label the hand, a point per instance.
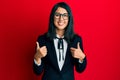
(77, 52)
(40, 52)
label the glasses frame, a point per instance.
(59, 15)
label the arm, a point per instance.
(80, 67)
(41, 52)
(80, 60)
(38, 68)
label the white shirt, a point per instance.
(61, 62)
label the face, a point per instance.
(61, 18)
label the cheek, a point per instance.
(66, 23)
(55, 22)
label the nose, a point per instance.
(61, 17)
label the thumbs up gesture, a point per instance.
(77, 52)
(40, 52)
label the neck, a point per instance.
(60, 32)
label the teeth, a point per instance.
(60, 23)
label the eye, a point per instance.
(57, 14)
(65, 15)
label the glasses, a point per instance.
(64, 16)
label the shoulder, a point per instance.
(77, 38)
(42, 36)
(42, 39)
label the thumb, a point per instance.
(37, 45)
(78, 45)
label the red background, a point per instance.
(97, 21)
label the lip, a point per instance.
(60, 24)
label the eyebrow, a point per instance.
(61, 13)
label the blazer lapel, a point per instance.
(67, 60)
(53, 56)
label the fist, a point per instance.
(40, 52)
(77, 52)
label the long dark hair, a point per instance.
(69, 31)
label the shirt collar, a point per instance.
(59, 36)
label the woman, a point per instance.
(60, 49)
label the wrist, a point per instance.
(82, 58)
(38, 60)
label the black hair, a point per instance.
(69, 31)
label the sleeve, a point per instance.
(37, 63)
(79, 61)
(80, 66)
(37, 69)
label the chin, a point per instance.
(61, 28)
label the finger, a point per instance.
(44, 47)
(78, 45)
(72, 48)
(72, 51)
(45, 51)
(37, 45)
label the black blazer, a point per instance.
(49, 63)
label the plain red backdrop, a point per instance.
(97, 21)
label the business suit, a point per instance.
(49, 63)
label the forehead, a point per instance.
(61, 10)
